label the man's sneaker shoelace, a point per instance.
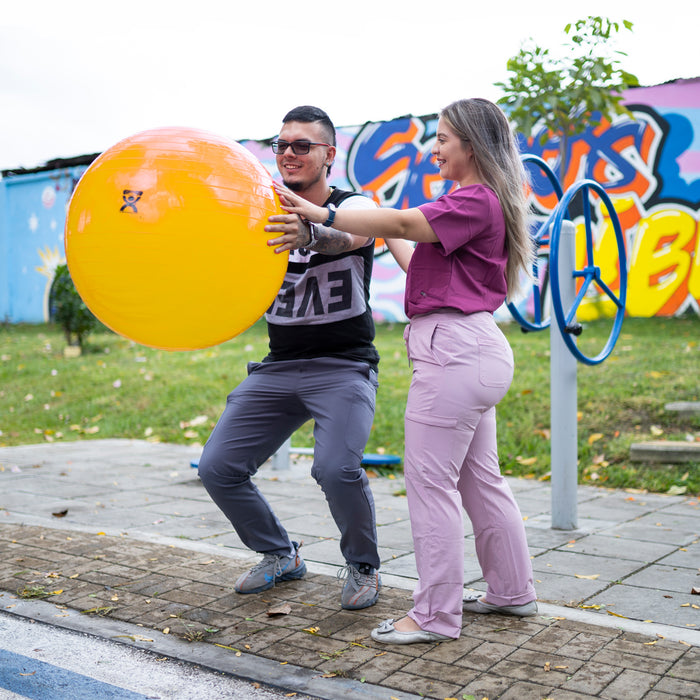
(270, 560)
(361, 589)
(274, 567)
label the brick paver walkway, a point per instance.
(187, 594)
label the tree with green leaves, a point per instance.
(566, 95)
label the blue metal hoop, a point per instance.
(590, 273)
(540, 239)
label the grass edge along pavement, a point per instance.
(121, 389)
(173, 602)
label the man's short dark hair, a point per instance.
(307, 113)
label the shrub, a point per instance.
(68, 309)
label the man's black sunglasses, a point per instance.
(299, 148)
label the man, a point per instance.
(322, 364)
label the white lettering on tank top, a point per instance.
(333, 291)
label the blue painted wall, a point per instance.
(32, 217)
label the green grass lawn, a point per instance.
(121, 389)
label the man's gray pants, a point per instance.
(273, 401)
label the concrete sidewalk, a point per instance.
(124, 539)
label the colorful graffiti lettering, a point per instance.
(620, 156)
(391, 161)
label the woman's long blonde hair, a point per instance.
(497, 157)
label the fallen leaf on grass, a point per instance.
(281, 609)
(197, 420)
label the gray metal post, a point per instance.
(280, 460)
(564, 399)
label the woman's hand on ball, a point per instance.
(294, 204)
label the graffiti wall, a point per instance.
(649, 166)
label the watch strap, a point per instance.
(331, 215)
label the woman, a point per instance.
(472, 246)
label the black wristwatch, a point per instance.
(331, 215)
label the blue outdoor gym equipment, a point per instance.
(555, 240)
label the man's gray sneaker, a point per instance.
(273, 568)
(361, 589)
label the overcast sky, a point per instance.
(76, 76)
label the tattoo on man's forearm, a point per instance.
(332, 242)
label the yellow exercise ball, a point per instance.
(165, 239)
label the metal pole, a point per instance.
(280, 460)
(564, 400)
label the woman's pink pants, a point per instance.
(462, 367)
